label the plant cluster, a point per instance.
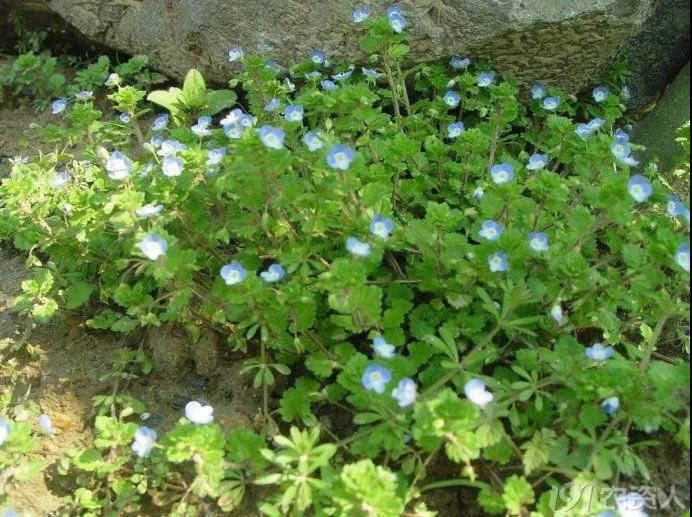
(482, 285)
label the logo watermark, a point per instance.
(635, 499)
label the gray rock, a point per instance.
(657, 129)
(561, 42)
(658, 50)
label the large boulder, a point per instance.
(565, 43)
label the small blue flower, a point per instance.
(478, 193)
(361, 14)
(274, 273)
(599, 353)
(405, 392)
(485, 79)
(600, 94)
(199, 414)
(61, 178)
(357, 248)
(452, 99)
(632, 504)
(625, 93)
(340, 157)
(621, 137)
(149, 210)
(498, 262)
(59, 106)
(124, 118)
(214, 156)
(170, 148)
(491, 230)
(639, 188)
(317, 57)
(382, 349)
(455, 129)
(313, 140)
(202, 128)
(289, 85)
(610, 405)
(623, 154)
(153, 246)
(84, 95)
(502, 173)
(272, 65)
(144, 441)
(233, 118)
(538, 241)
(45, 424)
(233, 131)
(160, 123)
(4, 430)
(375, 378)
(315, 74)
(294, 113)
(328, 85)
(397, 22)
(538, 91)
(113, 80)
(346, 74)
(272, 105)
(583, 131)
(393, 10)
(675, 207)
(557, 314)
(596, 124)
(370, 73)
(118, 166)
(537, 162)
(475, 390)
(235, 54)
(271, 137)
(682, 256)
(172, 166)
(381, 226)
(459, 63)
(551, 103)
(233, 273)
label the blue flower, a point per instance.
(610, 405)
(346, 74)
(84, 95)
(583, 131)
(4, 430)
(600, 94)
(233, 273)
(272, 65)
(289, 85)
(599, 353)
(170, 148)
(340, 157)
(124, 118)
(537, 162)
(538, 91)
(382, 349)
(272, 105)
(370, 73)
(491, 230)
(393, 10)
(160, 123)
(274, 273)
(61, 178)
(459, 63)
(551, 103)
(405, 392)
(621, 137)
(538, 241)
(113, 80)
(59, 106)
(313, 140)
(455, 129)
(214, 156)
(271, 137)
(317, 57)
(118, 166)
(237, 117)
(361, 14)
(315, 74)
(199, 414)
(498, 262)
(397, 22)
(485, 79)
(381, 226)
(144, 441)
(557, 314)
(149, 210)
(675, 207)
(45, 424)
(623, 154)
(375, 378)
(639, 188)
(596, 124)
(502, 173)
(328, 85)
(202, 127)
(172, 166)
(357, 248)
(155, 141)
(235, 54)
(478, 193)
(153, 246)
(682, 256)
(452, 99)
(626, 93)
(632, 504)
(294, 113)
(477, 393)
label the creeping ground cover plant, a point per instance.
(459, 288)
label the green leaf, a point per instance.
(517, 494)
(78, 294)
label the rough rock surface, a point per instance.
(561, 42)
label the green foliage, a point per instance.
(427, 289)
